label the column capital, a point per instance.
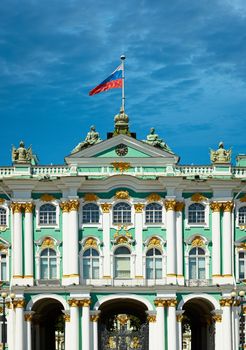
(215, 207)
(19, 303)
(73, 303)
(160, 302)
(228, 206)
(151, 318)
(84, 302)
(179, 317)
(94, 318)
(170, 204)
(28, 207)
(106, 207)
(65, 206)
(217, 318)
(66, 317)
(226, 302)
(138, 207)
(171, 302)
(74, 205)
(29, 316)
(179, 206)
(16, 207)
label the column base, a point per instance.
(70, 279)
(28, 281)
(18, 281)
(171, 279)
(226, 279)
(180, 280)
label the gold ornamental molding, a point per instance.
(122, 195)
(28, 207)
(165, 302)
(65, 207)
(151, 318)
(3, 248)
(198, 242)
(94, 318)
(179, 206)
(28, 317)
(16, 207)
(19, 303)
(170, 204)
(48, 242)
(106, 207)
(138, 207)
(226, 302)
(66, 317)
(90, 243)
(73, 303)
(153, 197)
(90, 197)
(121, 240)
(180, 318)
(122, 319)
(217, 318)
(244, 310)
(243, 199)
(198, 197)
(121, 166)
(73, 205)
(242, 246)
(228, 206)
(47, 197)
(154, 242)
(84, 302)
(2, 200)
(215, 206)
(171, 303)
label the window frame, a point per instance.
(6, 208)
(90, 223)
(205, 224)
(49, 259)
(115, 256)
(154, 223)
(90, 258)
(239, 205)
(39, 204)
(154, 257)
(130, 211)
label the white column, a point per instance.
(179, 242)
(227, 242)
(160, 323)
(65, 243)
(218, 340)
(216, 268)
(85, 324)
(152, 331)
(172, 325)
(106, 240)
(73, 242)
(17, 243)
(226, 324)
(11, 327)
(139, 239)
(179, 318)
(94, 321)
(19, 325)
(171, 241)
(236, 323)
(28, 243)
(74, 324)
(28, 319)
(68, 340)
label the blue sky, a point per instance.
(185, 73)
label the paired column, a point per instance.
(179, 317)
(227, 241)
(153, 336)
(28, 243)
(28, 318)
(171, 324)
(216, 268)
(179, 241)
(11, 326)
(94, 322)
(106, 207)
(85, 324)
(66, 242)
(74, 324)
(160, 323)
(171, 241)
(68, 340)
(19, 324)
(217, 317)
(17, 243)
(139, 239)
(226, 323)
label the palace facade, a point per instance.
(123, 248)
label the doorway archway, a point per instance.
(123, 325)
(48, 325)
(198, 328)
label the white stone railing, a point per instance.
(194, 170)
(239, 171)
(51, 170)
(6, 171)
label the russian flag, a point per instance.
(112, 82)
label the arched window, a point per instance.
(48, 264)
(90, 213)
(153, 213)
(47, 214)
(242, 216)
(197, 269)
(91, 264)
(196, 214)
(3, 267)
(122, 263)
(242, 265)
(122, 213)
(3, 217)
(153, 264)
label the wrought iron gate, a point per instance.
(124, 339)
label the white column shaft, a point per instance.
(28, 245)
(179, 243)
(95, 335)
(179, 333)
(171, 246)
(68, 340)
(73, 243)
(160, 324)
(236, 327)
(74, 328)
(17, 246)
(28, 335)
(172, 328)
(19, 329)
(227, 244)
(218, 335)
(216, 270)
(106, 245)
(11, 329)
(65, 244)
(152, 335)
(85, 328)
(139, 244)
(227, 331)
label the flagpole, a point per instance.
(123, 57)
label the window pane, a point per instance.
(95, 268)
(122, 267)
(241, 269)
(3, 271)
(86, 268)
(201, 268)
(44, 268)
(192, 268)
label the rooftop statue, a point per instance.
(91, 139)
(22, 154)
(154, 140)
(221, 155)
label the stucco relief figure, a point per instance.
(21, 154)
(154, 140)
(221, 155)
(91, 139)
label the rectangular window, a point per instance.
(122, 267)
(53, 269)
(158, 269)
(149, 268)
(95, 268)
(201, 269)
(192, 268)
(86, 268)
(241, 269)
(44, 274)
